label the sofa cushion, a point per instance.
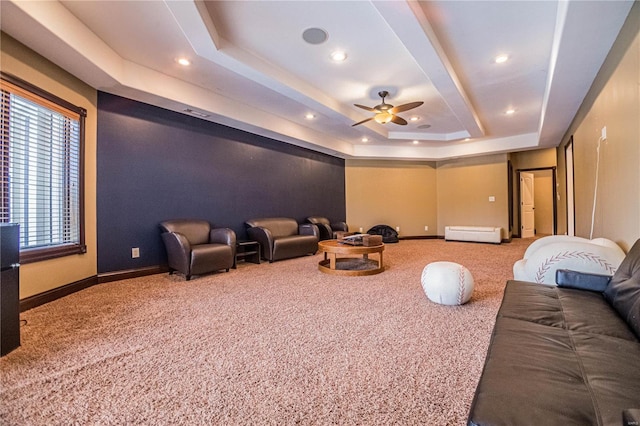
(623, 292)
(541, 360)
(278, 226)
(558, 356)
(564, 308)
(286, 247)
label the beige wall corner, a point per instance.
(20, 61)
(529, 160)
(395, 193)
(466, 188)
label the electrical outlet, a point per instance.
(135, 252)
(492, 199)
(604, 133)
(361, 229)
(426, 227)
(397, 229)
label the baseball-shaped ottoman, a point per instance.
(447, 283)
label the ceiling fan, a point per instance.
(386, 112)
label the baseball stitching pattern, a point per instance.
(460, 285)
(580, 255)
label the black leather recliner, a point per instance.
(327, 229)
(194, 248)
(282, 238)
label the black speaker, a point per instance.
(9, 287)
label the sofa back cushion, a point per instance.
(278, 226)
(318, 219)
(195, 231)
(623, 292)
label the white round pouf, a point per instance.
(447, 283)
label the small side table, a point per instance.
(249, 251)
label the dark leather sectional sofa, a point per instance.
(565, 355)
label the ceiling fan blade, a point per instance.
(405, 107)
(399, 120)
(363, 121)
(366, 108)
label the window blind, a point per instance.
(41, 169)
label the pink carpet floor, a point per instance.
(268, 344)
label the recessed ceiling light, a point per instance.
(414, 118)
(500, 59)
(510, 111)
(365, 139)
(424, 126)
(315, 35)
(467, 139)
(309, 116)
(184, 62)
(338, 56)
(416, 142)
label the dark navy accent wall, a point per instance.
(154, 164)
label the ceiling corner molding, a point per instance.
(424, 136)
(197, 26)
(567, 61)
(453, 150)
(418, 35)
(56, 34)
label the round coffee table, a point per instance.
(352, 266)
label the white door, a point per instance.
(527, 207)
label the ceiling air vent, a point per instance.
(196, 113)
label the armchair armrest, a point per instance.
(340, 226)
(309, 229)
(582, 280)
(264, 237)
(223, 236)
(178, 250)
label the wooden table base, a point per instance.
(349, 266)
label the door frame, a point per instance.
(570, 189)
(554, 195)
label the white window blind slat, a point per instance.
(40, 164)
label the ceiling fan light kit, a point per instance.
(383, 117)
(386, 113)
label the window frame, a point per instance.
(59, 250)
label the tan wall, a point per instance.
(394, 193)
(20, 61)
(614, 102)
(463, 190)
(413, 195)
(534, 159)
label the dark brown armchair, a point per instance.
(327, 229)
(194, 248)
